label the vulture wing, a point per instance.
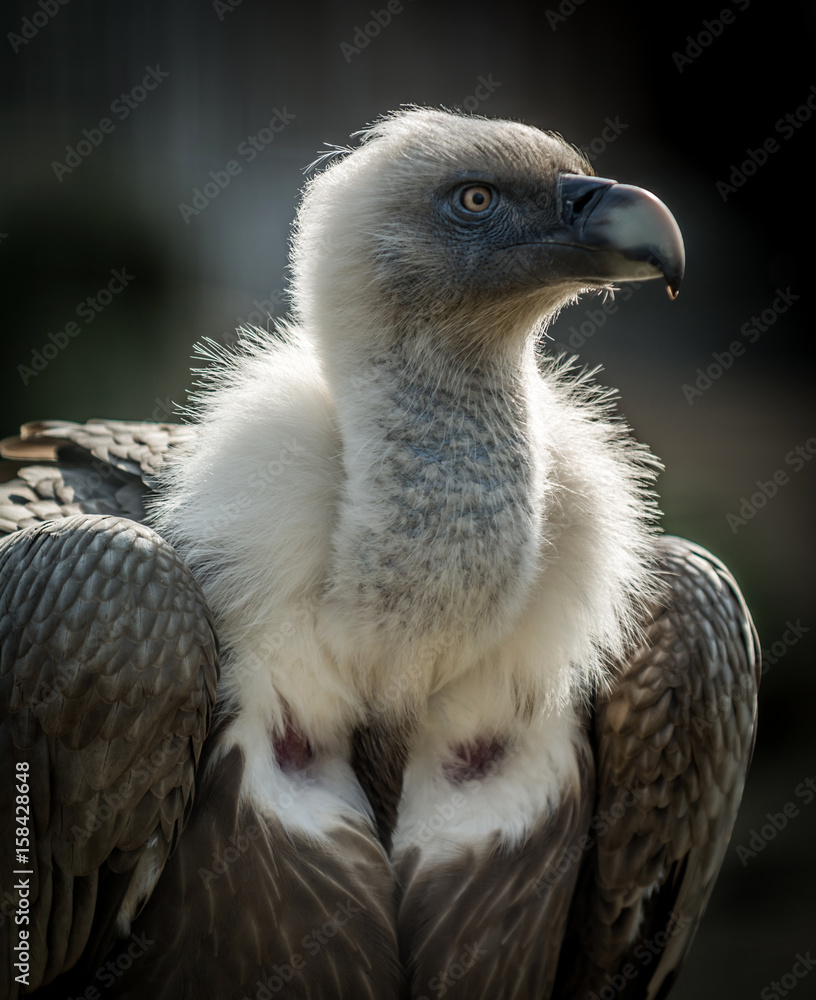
(108, 679)
(55, 469)
(673, 743)
(108, 671)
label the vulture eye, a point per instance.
(476, 198)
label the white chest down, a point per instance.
(428, 603)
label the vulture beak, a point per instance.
(609, 232)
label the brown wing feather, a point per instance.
(108, 669)
(246, 908)
(139, 448)
(489, 922)
(674, 740)
(56, 469)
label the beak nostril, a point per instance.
(581, 203)
(579, 194)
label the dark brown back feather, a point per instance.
(108, 670)
(244, 904)
(674, 740)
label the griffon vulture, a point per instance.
(480, 731)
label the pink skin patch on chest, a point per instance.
(473, 761)
(293, 751)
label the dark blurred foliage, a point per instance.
(574, 68)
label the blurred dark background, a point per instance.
(659, 97)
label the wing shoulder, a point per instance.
(674, 738)
(55, 469)
(108, 670)
(138, 447)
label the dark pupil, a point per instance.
(477, 198)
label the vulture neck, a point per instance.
(436, 543)
(453, 354)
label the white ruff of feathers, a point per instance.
(284, 509)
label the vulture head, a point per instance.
(466, 231)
